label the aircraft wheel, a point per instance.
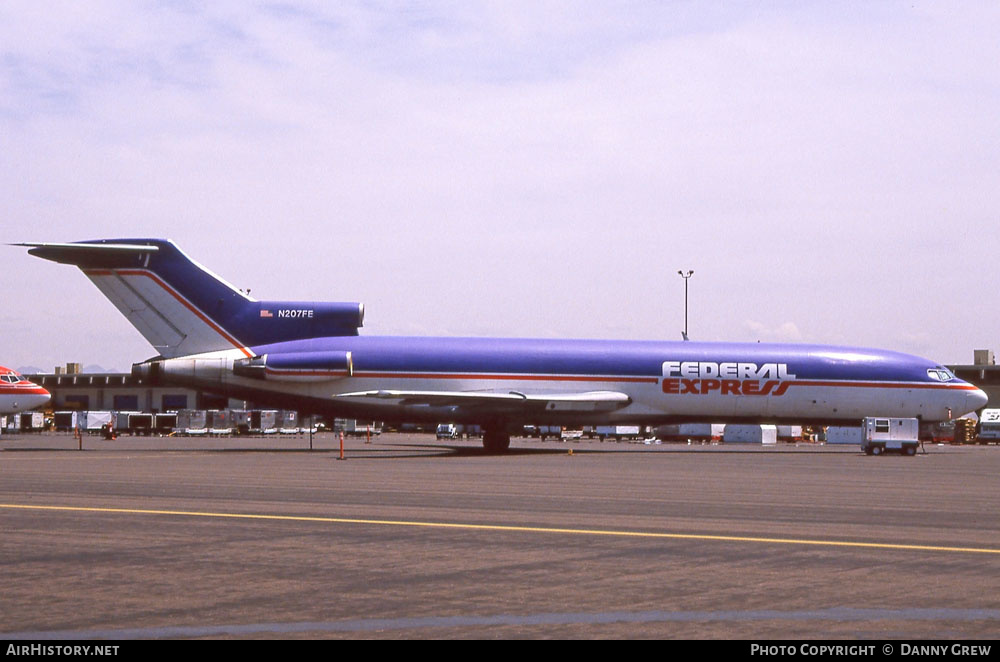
(496, 441)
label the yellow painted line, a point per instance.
(512, 528)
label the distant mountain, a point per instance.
(87, 369)
(92, 368)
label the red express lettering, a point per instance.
(709, 385)
(731, 387)
(674, 386)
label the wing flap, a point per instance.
(590, 401)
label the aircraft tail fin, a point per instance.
(182, 308)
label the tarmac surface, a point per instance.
(414, 538)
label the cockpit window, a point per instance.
(941, 374)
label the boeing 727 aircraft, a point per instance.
(310, 356)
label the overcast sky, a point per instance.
(831, 171)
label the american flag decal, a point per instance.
(266, 313)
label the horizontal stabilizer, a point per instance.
(88, 253)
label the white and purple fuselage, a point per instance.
(309, 356)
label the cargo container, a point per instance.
(192, 421)
(264, 421)
(288, 421)
(65, 421)
(545, 431)
(790, 433)
(240, 419)
(121, 421)
(750, 434)
(165, 423)
(844, 434)
(890, 434)
(699, 432)
(618, 432)
(32, 421)
(220, 421)
(939, 432)
(91, 422)
(357, 428)
(140, 423)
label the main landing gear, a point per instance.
(496, 440)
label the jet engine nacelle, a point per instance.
(278, 321)
(183, 370)
(296, 367)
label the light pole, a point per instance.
(685, 276)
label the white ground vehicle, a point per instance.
(447, 431)
(989, 426)
(890, 434)
(619, 432)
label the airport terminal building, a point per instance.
(123, 392)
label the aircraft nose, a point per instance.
(38, 399)
(976, 400)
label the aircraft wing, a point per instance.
(590, 401)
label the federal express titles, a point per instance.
(734, 378)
